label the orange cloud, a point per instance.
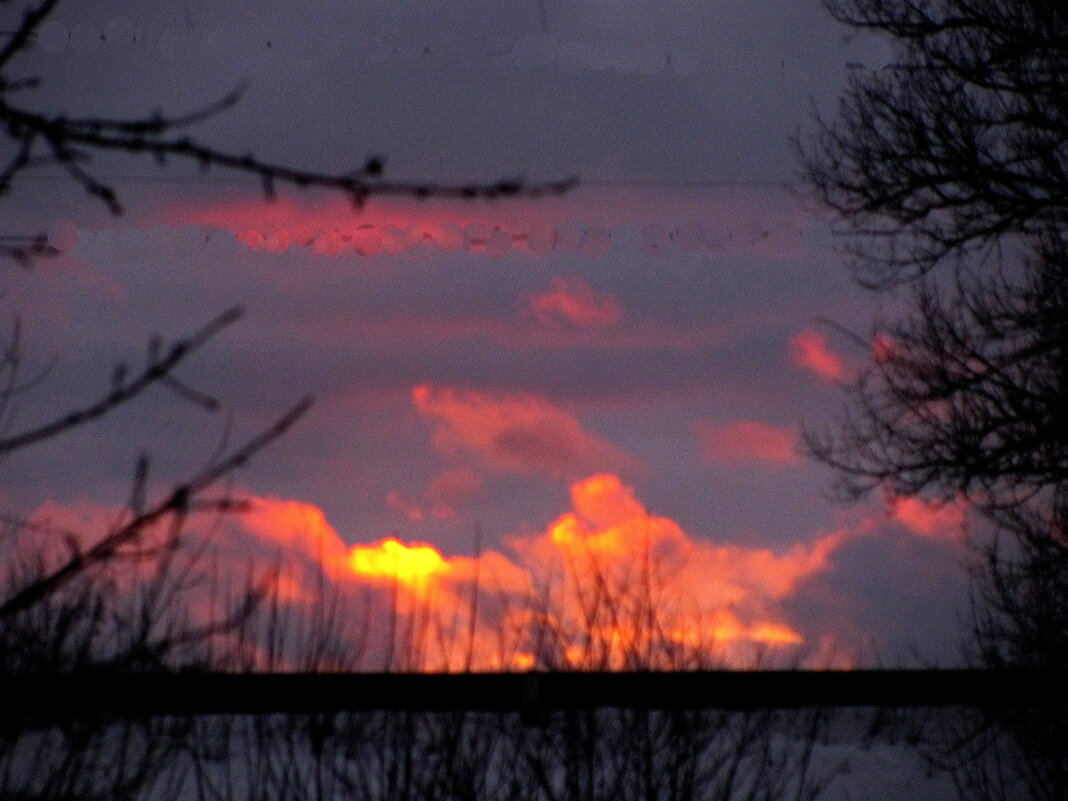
(606, 585)
(519, 433)
(929, 519)
(809, 349)
(294, 525)
(282, 550)
(616, 567)
(750, 441)
(572, 302)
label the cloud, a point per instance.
(605, 585)
(809, 349)
(884, 348)
(750, 441)
(612, 558)
(411, 510)
(453, 487)
(390, 559)
(444, 497)
(929, 519)
(292, 524)
(518, 433)
(590, 221)
(572, 302)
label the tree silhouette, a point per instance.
(965, 396)
(956, 156)
(957, 151)
(955, 145)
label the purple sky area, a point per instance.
(471, 362)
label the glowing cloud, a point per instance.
(390, 559)
(517, 433)
(582, 221)
(617, 563)
(572, 302)
(750, 441)
(605, 585)
(294, 525)
(809, 349)
(929, 519)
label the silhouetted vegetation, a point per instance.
(955, 144)
(948, 168)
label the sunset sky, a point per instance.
(622, 370)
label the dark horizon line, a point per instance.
(46, 699)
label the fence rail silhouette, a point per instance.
(45, 698)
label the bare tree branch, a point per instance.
(962, 141)
(156, 371)
(71, 143)
(177, 503)
(23, 35)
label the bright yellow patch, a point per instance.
(391, 558)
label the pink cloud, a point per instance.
(454, 487)
(750, 441)
(572, 302)
(729, 219)
(516, 433)
(809, 349)
(929, 519)
(885, 348)
(293, 524)
(443, 498)
(412, 511)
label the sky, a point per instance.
(524, 393)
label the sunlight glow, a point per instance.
(392, 559)
(606, 585)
